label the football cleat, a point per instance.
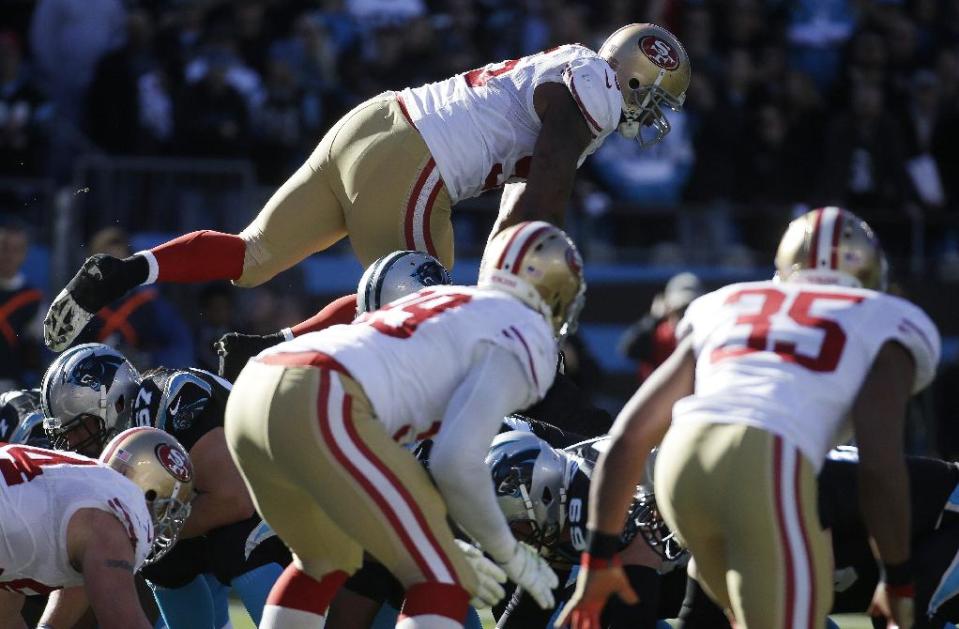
(235, 349)
(100, 281)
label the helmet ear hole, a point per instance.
(547, 496)
(150, 495)
(634, 83)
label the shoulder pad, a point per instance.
(911, 326)
(185, 396)
(592, 84)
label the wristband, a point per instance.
(601, 545)
(589, 562)
(894, 575)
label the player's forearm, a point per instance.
(64, 608)
(213, 510)
(10, 605)
(339, 311)
(472, 504)
(614, 482)
(884, 500)
(639, 427)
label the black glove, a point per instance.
(234, 349)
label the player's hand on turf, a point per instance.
(490, 577)
(235, 349)
(898, 610)
(531, 572)
(593, 589)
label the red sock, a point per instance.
(200, 256)
(296, 589)
(436, 599)
(342, 310)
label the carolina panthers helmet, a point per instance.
(653, 71)
(161, 467)
(529, 478)
(644, 518)
(90, 383)
(830, 245)
(398, 275)
(539, 264)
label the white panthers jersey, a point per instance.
(411, 355)
(481, 126)
(39, 493)
(790, 357)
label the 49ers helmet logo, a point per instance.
(659, 52)
(175, 462)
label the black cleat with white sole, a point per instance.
(100, 281)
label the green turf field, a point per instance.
(242, 621)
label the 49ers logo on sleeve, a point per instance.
(175, 462)
(659, 52)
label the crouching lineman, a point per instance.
(762, 381)
(317, 426)
(67, 520)
(543, 490)
(91, 392)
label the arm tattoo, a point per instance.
(119, 563)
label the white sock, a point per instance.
(276, 617)
(427, 621)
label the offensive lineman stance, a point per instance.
(90, 393)
(67, 520)
(762, 383)
(317, 425)
(388, 173)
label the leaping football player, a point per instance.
(388, 173)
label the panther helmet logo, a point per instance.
(659, 52)
(174, 461)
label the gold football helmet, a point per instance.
(156, 462)
(830, 245)
(652, 70)
(538, 263)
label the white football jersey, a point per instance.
(39, 493)
(411, 355)
(790, 357)
(481, 126)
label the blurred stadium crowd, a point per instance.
(793, 104)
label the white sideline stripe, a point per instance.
(802, 579)
(827, 224)
(401, 509)
(419, 210)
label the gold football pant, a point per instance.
(326, 476)
(372, 178)
(743, 501)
